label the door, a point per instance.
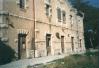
(48, 44)
(62, 43)
(21, 46)
(80, 43)
(72, 43)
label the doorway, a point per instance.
(72, 43)
(62, 43)
(21, 46)
(48, 44)
(80, 46)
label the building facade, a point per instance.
(17, 25)
(59, 28)
(36, 28)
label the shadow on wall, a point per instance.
(7, 54)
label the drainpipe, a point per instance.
(34, 25)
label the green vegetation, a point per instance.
(7, 54)
(91, 22)
(87, 60)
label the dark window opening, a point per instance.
(48, 39)
(64, 16)
(59, 14)
(80, 43)
(70, 17)
(22, 3)
(48, 44)
(47, 10)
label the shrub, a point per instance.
(7, 54)
(88, 53)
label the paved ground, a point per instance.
(26, 62)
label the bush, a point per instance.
(88, 53)
(7, 54)
(76, 55)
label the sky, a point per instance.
(94, 3)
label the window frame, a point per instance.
(64, 16)
(59, 14)
(23, 4)
(48, 8)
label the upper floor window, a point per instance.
(23, 4)
(59, 14)
(48, 7)
(70, 17)
(47, 10)
(64, 16)
(47, 1)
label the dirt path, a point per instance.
(26, 62)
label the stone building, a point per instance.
(54, 25)
(17, 25)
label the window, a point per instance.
(48, 7)
(70, 17)
(64, 16)
(59, 14)
(22, 3)
(48, 40)
(80, 43)
(47, 1)
(71, 22)
(47, 10)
